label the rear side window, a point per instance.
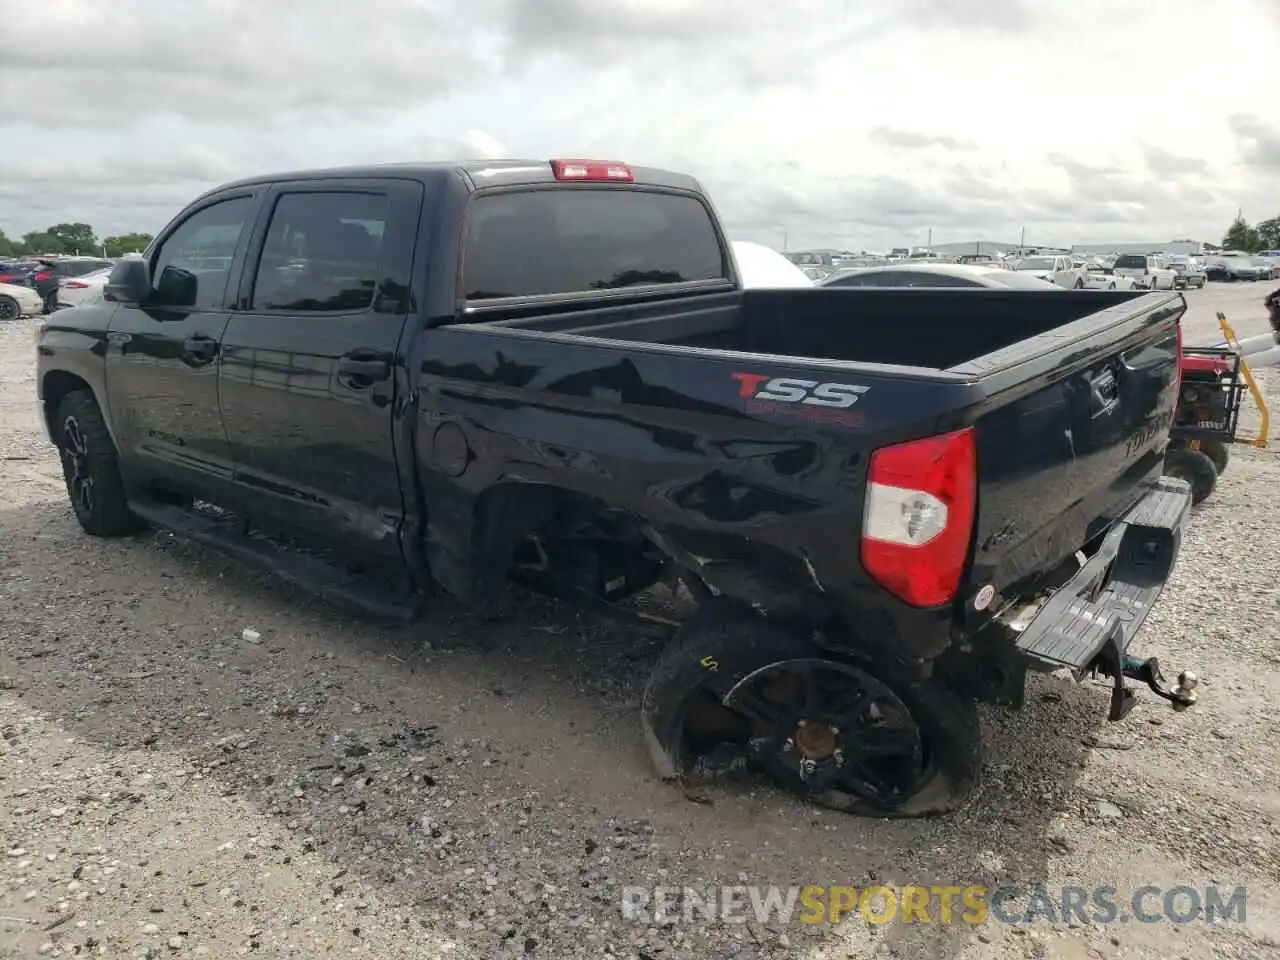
(1131, 261)
(322, 252)
(540, 242)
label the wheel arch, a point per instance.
(472, 564)
(54, 387)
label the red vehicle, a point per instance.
(1214, 382)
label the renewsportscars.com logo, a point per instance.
(810, 400)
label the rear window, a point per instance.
(553, 241)
(1131, 261)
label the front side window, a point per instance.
(193, 264)
(322, 252)
(578, 240)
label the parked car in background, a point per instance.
(1061, 271)
(1268, 267)
(73, 291)
(18, 272)
(1146, 271)
(1189, 271)
(49, 271)
(1097, 278)
(17, 301)
(815, 265)
(1232, 269)
(951, 275)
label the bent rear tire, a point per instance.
(9, 309)
(1219, 453)
(91, 468)
(1193, 466)
(848, 736)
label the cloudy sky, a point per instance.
(821, 122)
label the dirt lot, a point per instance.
(471, 790)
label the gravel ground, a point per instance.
(475, 790)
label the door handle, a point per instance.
(364, 368)
(200, 347)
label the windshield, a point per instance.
(1036, 263)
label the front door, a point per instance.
(161, 355)
(309, 370)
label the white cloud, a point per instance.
(831, 123)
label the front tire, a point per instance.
(1193, 466)
(880, 745)
(91, 468)
(9, 309)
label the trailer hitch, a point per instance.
(1181, 695)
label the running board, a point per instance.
(310, 573)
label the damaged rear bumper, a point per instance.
(1088, 624)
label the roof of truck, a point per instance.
(479, 172)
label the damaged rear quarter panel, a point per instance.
(736, 475)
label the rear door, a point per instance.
(307, 379)
(161, 356)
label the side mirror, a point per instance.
(129, 281)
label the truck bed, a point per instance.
(942, 329)
(1070, 395)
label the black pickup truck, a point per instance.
(888, 504)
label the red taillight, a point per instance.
(7, 278)
(591, 170)
(42, 276)
(74, 285)
(919, 516)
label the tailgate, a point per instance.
(1075, 447)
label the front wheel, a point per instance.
(733, 691)
(1193, 466)
(9, 309)
(91, 468)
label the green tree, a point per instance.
(1269, 234)
(8, 248)
(1241, 236)
(126, 243)
(41, 241)
(75, 238)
